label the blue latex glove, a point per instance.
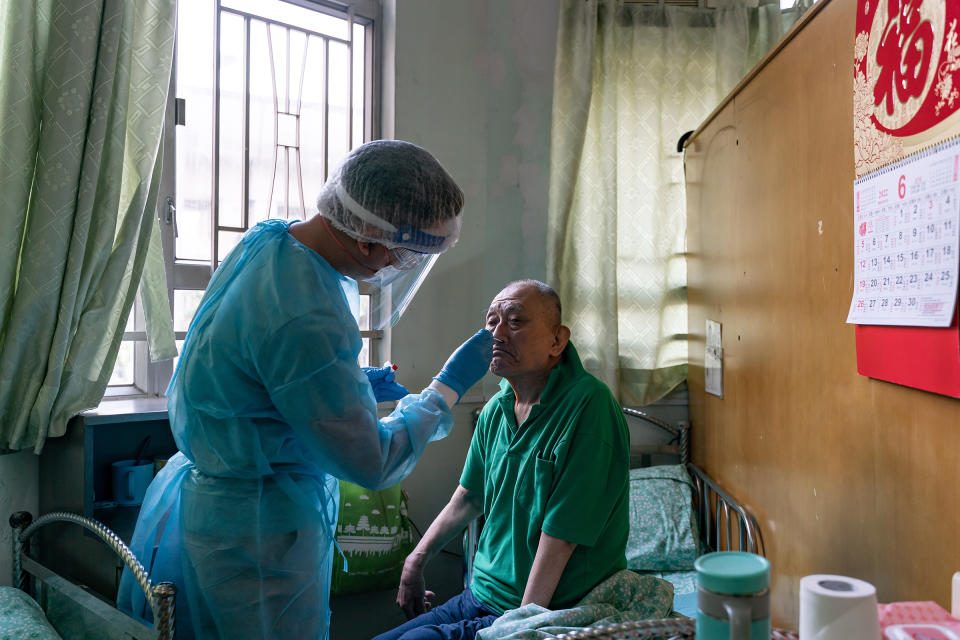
(468, 363)
(383, 381)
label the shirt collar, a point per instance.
(568, 368)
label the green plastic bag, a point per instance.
(375, 535)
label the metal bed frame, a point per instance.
(718, 516)
(667, 629)
(718, 513)
(41, 582)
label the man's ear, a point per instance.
(373, 250)
(561, 337)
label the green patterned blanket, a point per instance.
(623, 596)
(21, 618)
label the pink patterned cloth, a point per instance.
(931, 620)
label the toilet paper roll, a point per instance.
(838, 608)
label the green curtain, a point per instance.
(629, 80)
(83, 88)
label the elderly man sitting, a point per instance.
(548, 468)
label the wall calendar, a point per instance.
(906, 240)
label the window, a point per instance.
(267, 96)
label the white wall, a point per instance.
(18, 492)
(473, 84)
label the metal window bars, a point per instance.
(287, 75)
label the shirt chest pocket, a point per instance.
(535, 486)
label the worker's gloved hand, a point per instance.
(468, 363)
(383, 381)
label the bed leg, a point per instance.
(19, 521)
(166, 595)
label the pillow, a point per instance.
(375, 535)
(22, 617)
(663, 530)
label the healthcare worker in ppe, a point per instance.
(269, 407)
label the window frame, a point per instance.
(152, 378)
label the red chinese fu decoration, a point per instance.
(906, 85)
(906, 97)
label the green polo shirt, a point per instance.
(564, 471)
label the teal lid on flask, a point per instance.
(734, 572)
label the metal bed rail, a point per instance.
(719, 515)
(161, 597)
(666, 629)
(680, 444)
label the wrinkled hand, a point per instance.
(468, 363)
(383, 381)
(412, 595)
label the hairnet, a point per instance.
(396, 194)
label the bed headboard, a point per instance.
(724, 523)
(75, 604)
(679, 445)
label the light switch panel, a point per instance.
(713, 360)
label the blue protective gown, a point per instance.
(269, 409)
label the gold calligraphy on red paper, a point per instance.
(906, 91)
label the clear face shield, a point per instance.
(393, 288)
(413, 252)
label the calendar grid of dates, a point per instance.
(905, 242)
